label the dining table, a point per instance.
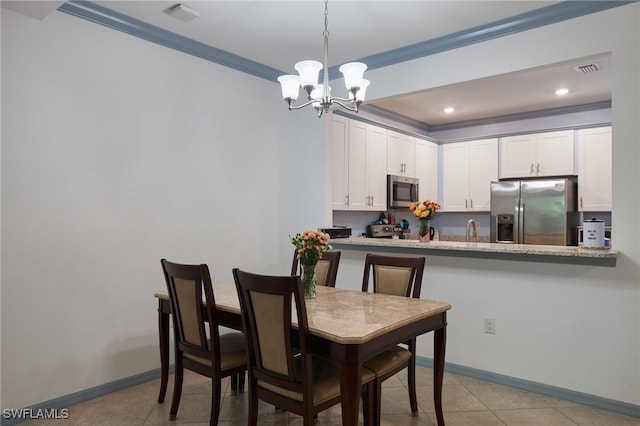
(347, 326)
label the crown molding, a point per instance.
(537, 18)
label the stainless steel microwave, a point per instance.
(401, 191)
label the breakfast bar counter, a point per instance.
(520, 252)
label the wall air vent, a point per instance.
(587, 68)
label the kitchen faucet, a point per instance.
(475, 230)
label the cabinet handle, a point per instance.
(346, 199)
(466, 204)
(471, 202)
(531, 169)
(537, 169)
(581, 205)
(371, 201)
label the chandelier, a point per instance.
(319, 95)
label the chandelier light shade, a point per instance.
(319, 94)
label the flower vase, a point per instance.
(309, 280)
(424, 231)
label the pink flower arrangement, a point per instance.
(310, 245)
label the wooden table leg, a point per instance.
(163, 333)
(351, 389)
(439, 343)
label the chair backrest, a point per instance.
(266, 304)
(394, 275)
(195, 329)
(326, 269)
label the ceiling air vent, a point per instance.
(587, 68)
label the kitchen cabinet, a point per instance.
(400, 154)
(426, 169)
(359, 173)
(339, 144)
(468, 169)
(594, 169)
(539, 154)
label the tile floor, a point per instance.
(465, 402)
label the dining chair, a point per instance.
(199, 346)
(283, 370)
(397, 276)
(326, 269)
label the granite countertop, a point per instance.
(544, 253)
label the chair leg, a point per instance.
(215, 401)
(234, 383)
(177, 387)
(241, 378)
(253, 405)
(413, 400)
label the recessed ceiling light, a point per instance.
(449, 110)
(562, 92)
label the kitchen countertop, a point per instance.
(521, 252)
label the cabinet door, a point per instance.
(518, 156)
(483, 169)
(400, 154)
(357, 196)
(339, 166)
(455, 177)
(595, 169)
(554, 153)
(427, 169)
(376, 170)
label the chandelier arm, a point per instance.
(335, 98)
(292, 107)
(347, 107)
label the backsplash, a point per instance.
(451, 226)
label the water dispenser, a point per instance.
(505, 228)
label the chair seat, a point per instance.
(388, 361)
(233, 351)
(326, 380)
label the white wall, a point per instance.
(576, 327)
(117, 152)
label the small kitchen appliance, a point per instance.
(383, 231)
(401, 191)
(337, 231)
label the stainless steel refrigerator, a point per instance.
(535, 211)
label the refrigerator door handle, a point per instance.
(521, 222)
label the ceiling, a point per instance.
(280, 33)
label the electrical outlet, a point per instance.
(490, 325)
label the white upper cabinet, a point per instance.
(468, 169)
(539, 154)
(339, 162)
(359, 172)
(376, 171)
(426, 169)
(400, 154)
(594, 169)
